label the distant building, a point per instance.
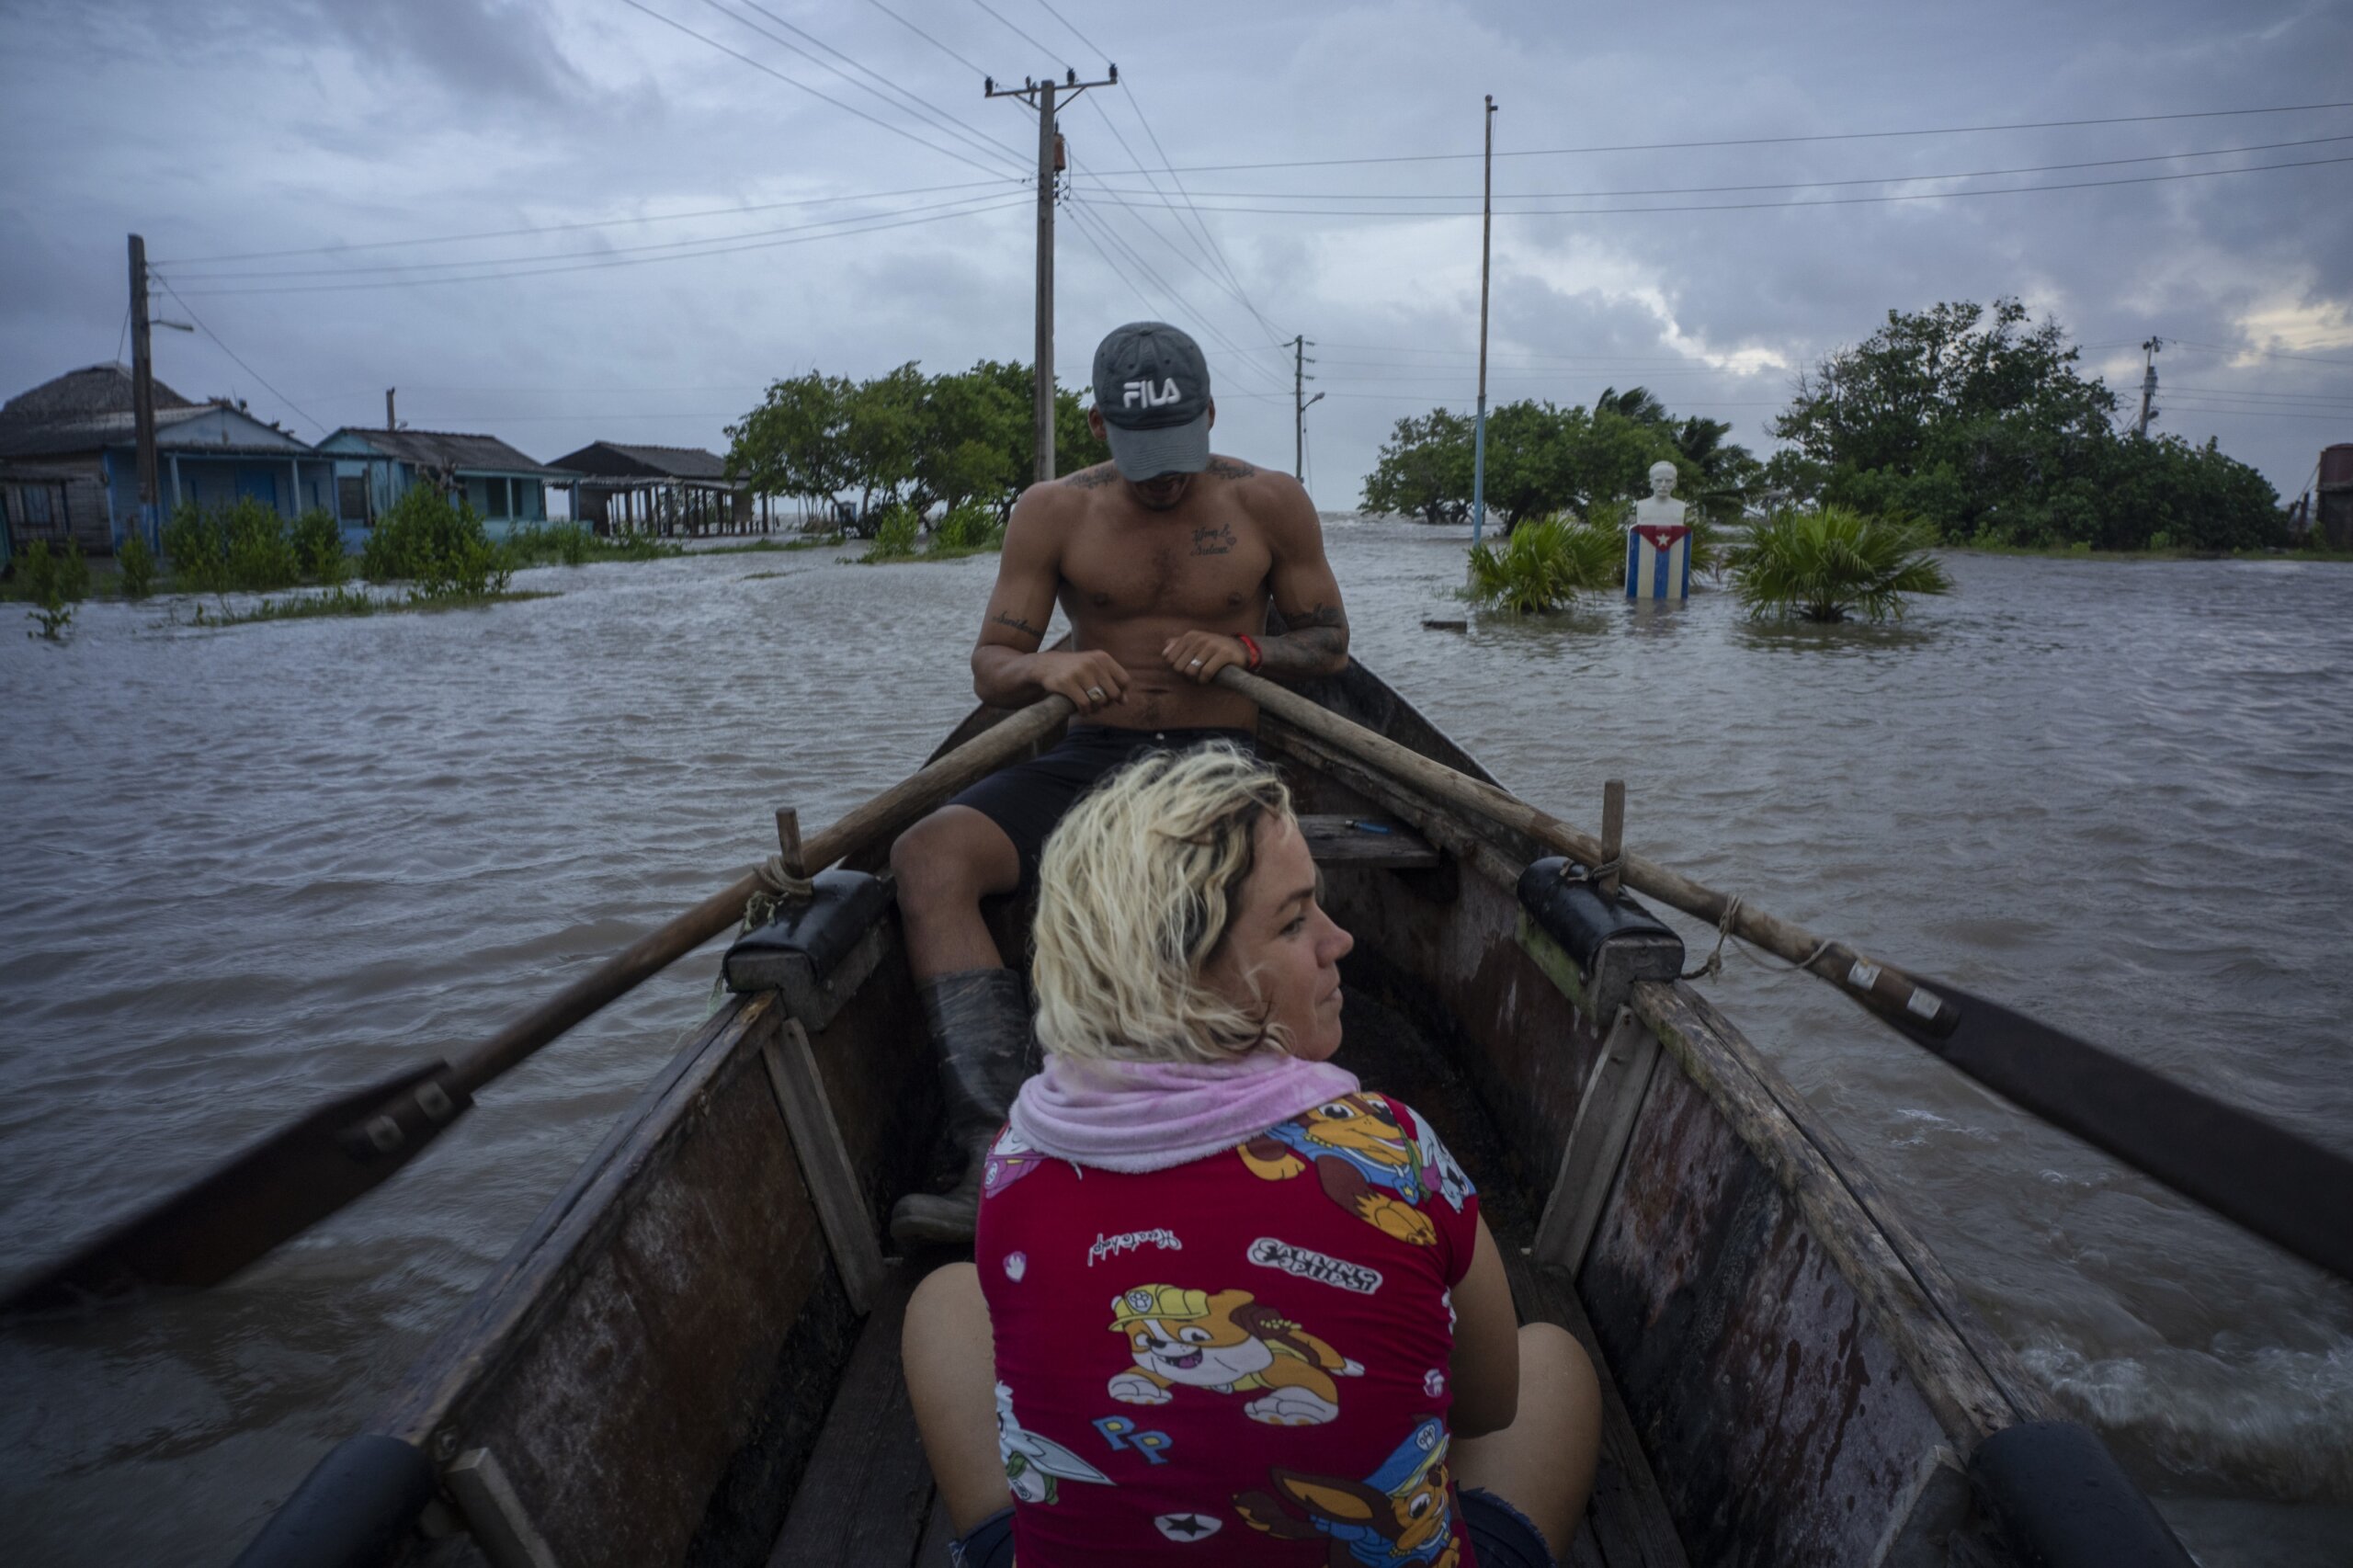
(374, 467)
(2334, 516)
(658, 489)
(68, 460)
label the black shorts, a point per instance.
(1028, 799)
(1501, 1535)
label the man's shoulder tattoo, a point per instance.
(1227, 468)
(1094, 478)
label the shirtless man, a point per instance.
(1165, 560)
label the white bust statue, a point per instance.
(1660, 507)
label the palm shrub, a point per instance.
(1823, 564)
(1542, 566)
(197, 549)
(137, 565)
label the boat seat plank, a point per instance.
(866, 1491)
(1369, 841)
(1627, 1525)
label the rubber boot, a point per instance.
(980, 1023)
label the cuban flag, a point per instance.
(1658, 561)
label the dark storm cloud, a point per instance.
(219, 129)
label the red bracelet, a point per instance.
(1250, 648)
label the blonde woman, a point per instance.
(1227, 1306)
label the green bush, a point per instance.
(1820, 565)
(243, 544)
(1542, 566)
(895, 531)
(137, 565)
(438, 545)
(971, 525)
(318, 548)
(55, 581)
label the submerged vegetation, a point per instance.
(1822, 564)
(55, 581)
(1542, 566)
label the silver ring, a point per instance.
(1197, 664)
(1095, 692)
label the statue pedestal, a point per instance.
(1658, 561)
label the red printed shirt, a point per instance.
(1242, 1359)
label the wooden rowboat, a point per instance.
(692, 1354)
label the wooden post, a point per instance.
(1613, 832)
(788, 839)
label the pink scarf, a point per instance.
(1149, 1116)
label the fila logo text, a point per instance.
(1149, 395)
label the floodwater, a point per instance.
(249, 867)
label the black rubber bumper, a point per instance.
(2062, 1501)
(354, 1507)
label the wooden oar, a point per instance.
(301, 1175)
(2278, 1184)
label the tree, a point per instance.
(1981, 428)
(791, 444)
(1541, 459)
(1423, 469)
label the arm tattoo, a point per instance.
(1315, 644)
(1227, 468)
(1007, 618)
(1094, 478)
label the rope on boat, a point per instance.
(1713, 964)
(779, 885)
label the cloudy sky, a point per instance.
(562, 221)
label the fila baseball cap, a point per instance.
(1153, 389)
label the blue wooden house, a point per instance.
(374, 467)
(69, 460)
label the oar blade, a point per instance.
(2278, 1184)
(287, 1182)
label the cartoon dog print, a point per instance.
(1035, 1465)
(1365, 1163)
(1400, 1513)
(1227, 1343)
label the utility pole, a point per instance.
(1041, 96)
(1299, 404)
(390, 423)
(1479, 435)
(143, 395)
(2148, 388)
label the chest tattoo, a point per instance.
(1218, 540)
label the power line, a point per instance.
(1032, 42)
(812, 92)
(975, 202)
(1775, 185)
(1168, 290)
(627, 261)
(971, 135)
(1747, 141)
(232, 353)
(960, 60)
(1073, 31)
(592, 224)
(1213, 279)
(1136, 104)
(1821, 201)
(2262, 353)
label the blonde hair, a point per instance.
(1135, 891)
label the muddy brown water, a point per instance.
(249, 867)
